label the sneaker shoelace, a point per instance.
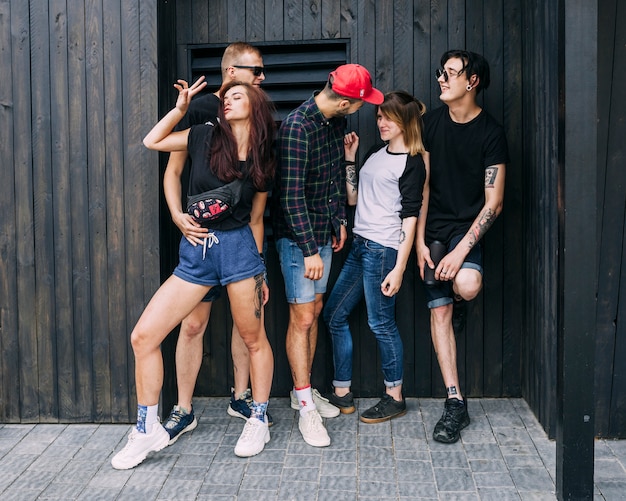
(132, 436)
(315, 421)
(249, 429)
(450, 418)
(176, 416)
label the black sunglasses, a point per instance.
(257, 71)
(442, 72)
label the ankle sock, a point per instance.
(147, 415)
(258, 410)
(305, 399)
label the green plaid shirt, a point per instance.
(311, 181)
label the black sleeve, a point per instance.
(412, 185)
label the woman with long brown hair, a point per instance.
(232, 167)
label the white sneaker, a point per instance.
(312, 429)
(323, 405)
(139, 445)
(253, 438)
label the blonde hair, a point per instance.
(406, 112)
(234, 51)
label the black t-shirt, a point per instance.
(202, 179)
(459, 155)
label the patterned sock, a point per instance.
(147, 415)
(142, 412)
(305, 399)
(258, 410)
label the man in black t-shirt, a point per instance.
(468, 155)
(240, 62)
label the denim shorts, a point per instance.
(226, 257)
(441, 293)
(297, 288)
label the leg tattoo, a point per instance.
(258, 298)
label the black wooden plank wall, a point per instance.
(611, 319)
(79, 259)
(540, 217)
(400, 42)
(79, 264)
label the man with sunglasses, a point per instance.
(310, 222)
(240, 62)
(468, 155)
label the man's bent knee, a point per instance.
(468, 283)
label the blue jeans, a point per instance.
(367, 265)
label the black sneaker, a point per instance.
(459, 315)
(242, 407)
(453, 420)
(386, 409)
(179, 422)
(345, 403)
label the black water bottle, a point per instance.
(437, 251)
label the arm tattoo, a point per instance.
(490, 176)
(402, 236)
(484, 223)
(258, 296)
(351, 176)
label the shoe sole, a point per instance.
(141, 460)
(232, 412)
(454, 440)
(189, 427)
(347, 410)
(313, 443)
(383, 419)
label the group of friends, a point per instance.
(435, 182)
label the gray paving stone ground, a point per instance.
(503, 455)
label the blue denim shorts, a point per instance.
(297, 288)
(226, 257)
(441, 293)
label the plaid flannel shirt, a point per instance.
(311, 181)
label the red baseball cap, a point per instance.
(354, 81)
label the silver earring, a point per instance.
(468, 88)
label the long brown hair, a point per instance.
(261, 153)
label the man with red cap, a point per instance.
(316, 164)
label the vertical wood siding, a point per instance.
(79, 261)
(610, 377)
(79, 257)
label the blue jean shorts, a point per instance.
(441, 293)
(299, 289)
(226, 257)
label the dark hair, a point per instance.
(473, 64)
(406, 112)
(261, 154)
